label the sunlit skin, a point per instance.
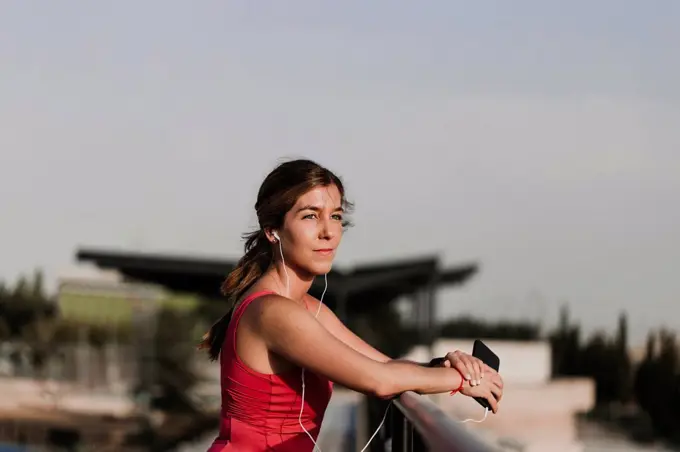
(280, 331)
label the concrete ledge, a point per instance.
(19, 393)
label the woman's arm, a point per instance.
(292, 333)
(470, 367)
(338, 329)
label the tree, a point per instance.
(623, 382)
(38, 286)
(650, 347)
(657, 383)
(21, 288)
(5, 332)
(601, 361)
(169, 373)
(604, 359)
(566, 347)
(28, 315)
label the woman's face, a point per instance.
(312, 230)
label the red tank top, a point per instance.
(260, 412)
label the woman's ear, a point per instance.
(272, 235)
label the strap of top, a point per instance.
(238, 312)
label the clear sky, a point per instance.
(538, 138)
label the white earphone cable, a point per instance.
(283, 262)
(302, 403)
(379, 427)
(486, 413)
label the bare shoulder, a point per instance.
(313, 304)
(274, 310)
(272, 304)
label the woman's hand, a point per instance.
(490, 388)
(480, 379)
(471, 368)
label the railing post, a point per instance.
(398, 422)
(408, 435)
(418, 443)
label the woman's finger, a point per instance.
(469, 369)
(496, 391)
(456, 362)
(478, 369)
(475, 369)
(497, 380)
(492, 401)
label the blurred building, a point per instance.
(350, 291)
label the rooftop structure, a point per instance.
(349, 290)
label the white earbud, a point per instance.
(276, 235)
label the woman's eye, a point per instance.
(312, 216)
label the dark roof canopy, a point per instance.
(204, 275)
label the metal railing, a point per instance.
(418, 425)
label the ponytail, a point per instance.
(250, 267)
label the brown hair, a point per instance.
(277, 195)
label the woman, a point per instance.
(275, 329)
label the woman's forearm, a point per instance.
(437, 362)
(409, 376)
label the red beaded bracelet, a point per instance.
(462, 382)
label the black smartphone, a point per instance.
(484, 353)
